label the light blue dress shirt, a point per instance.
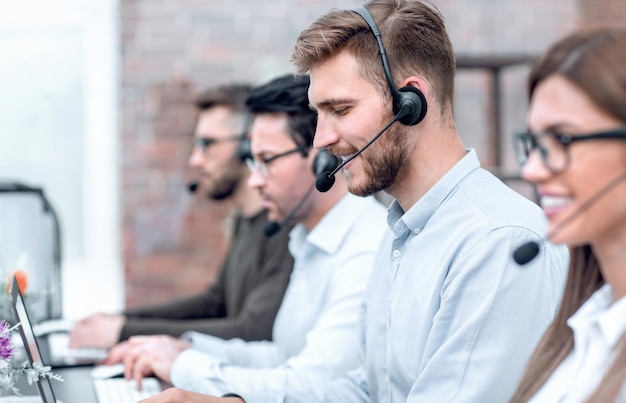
(449, 316)
(315, 334)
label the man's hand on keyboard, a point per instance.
(174, 395)
(100, 330)
(152, 355)
(116, 354)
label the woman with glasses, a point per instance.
(575, 154)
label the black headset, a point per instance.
(324, 161)
(244, 151)
(409, 102)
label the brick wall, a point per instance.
(171, 49)
(593, 12)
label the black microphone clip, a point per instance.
(526, 252)
(272, 227)
(325, 181)
(192, 187)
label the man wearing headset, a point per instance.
(243, 300)
(448, 315)
(333, 243)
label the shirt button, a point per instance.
(396, 253)
(417, 231)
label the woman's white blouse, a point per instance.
(598, 326)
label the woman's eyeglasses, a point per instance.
(553, 147)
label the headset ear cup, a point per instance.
(416, 101)
(244, 151)
(324, 162)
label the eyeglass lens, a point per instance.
(553, 153)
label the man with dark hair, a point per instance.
(243, 301)
(315, 332)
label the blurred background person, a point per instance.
(243, 301)
(315, 336)
(574, 152)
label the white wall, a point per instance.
(58, 130)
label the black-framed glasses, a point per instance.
(261, 164)
(553, 147)
(204, 142)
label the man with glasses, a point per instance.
(243, 301)
(315, 336)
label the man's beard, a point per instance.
(382, 162)
(225, 185)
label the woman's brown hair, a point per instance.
(594, 60)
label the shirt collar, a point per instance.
(330, 231)
(598, 311)
(415, 219)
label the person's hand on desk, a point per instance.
(174, 395)
(100, 330)
(151, 355)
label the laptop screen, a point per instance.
(30, 342)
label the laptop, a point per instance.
(30, 342)
(113, 390)
(53, 337)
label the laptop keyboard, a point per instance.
(120, 390)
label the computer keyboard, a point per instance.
(53, 326)
(120, 390)
(59, 349)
